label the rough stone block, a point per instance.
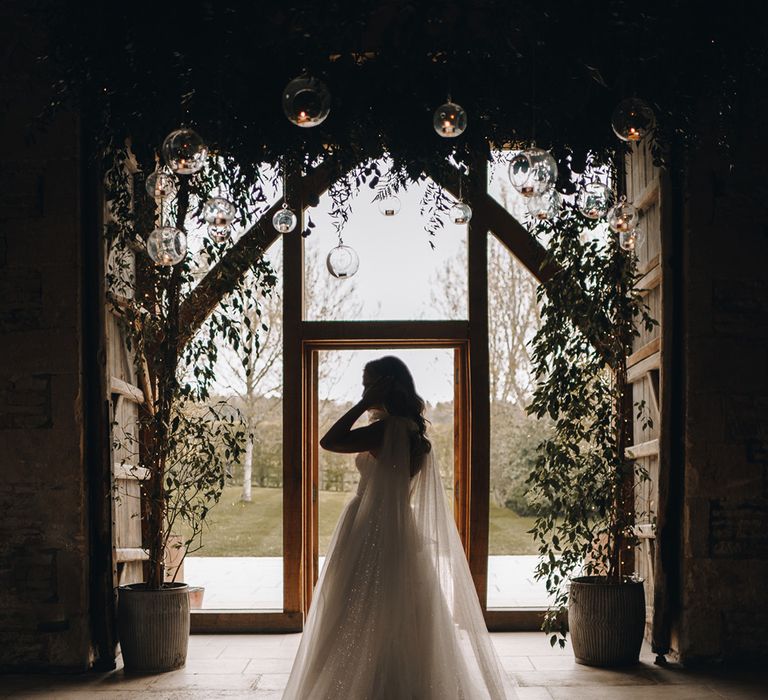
(740, 307)
(25, 402)
(21, 300)
(738, 529)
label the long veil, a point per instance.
(395, 615)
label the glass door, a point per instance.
(335, 378)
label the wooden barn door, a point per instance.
(125, 398)
(647, 189)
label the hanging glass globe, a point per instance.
(450, 120)
(342, 261)
(533, 172)
(184, 151)
(519, 170)
(167, 245)
(460, 213)
(630, 240)
(306, 101)
(593, 200)
(632, 119)
(284, 220)
(627, 240)
(160, 184)
(622, 217)
(545, 207)
(218, 211)
(389, 206)
(220, 233)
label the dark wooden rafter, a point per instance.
(222, 278)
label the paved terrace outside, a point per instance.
(256, 583)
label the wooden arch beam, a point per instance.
(504, 226)
(221, 279)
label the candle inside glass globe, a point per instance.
(460, 213)
(622, 217)
(184, 151)
(450, 120)
(545, 207)
(306, 101)
(219, 233)
(284, 220)
(389, 206)
(533, 172)
(160, 184)
(632, 119)
(593, 200)
(342, 262)
(167, 245)
(218, 211)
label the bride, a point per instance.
(394, 615)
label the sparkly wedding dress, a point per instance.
(395, 615)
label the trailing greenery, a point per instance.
(550, 72)
(582, 483)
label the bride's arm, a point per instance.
(341, 438)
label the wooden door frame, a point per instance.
(352, 339)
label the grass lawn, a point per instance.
(238, 529)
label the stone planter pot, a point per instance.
(153, 627)
(606, 621)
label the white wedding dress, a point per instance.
(395, 615)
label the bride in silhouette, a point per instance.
(394, 614)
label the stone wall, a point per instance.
(725, 317)
(43, 504)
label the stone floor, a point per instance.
(257, 667)
(256, 583)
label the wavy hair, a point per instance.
(403, 400)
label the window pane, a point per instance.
(513, 319)
(400, 276)
(340, 386)
(241, 561)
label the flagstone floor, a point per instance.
(257, 666)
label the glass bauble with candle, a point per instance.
(594, 200)
(533, 172)
(545, 207)
(389, 206)
(450, 120)
(284, 220)
(218, 211)
(342, 262)
(166, 245)
(160, 184)
(623, 217)
(219, 233)
(306, 101)
(633, 119)
(184, 151)
(460, 213)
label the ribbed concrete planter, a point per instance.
(153, 627)
(606, 621)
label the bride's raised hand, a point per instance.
(377, 392)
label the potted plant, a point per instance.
(184, 439)
(582, 483)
